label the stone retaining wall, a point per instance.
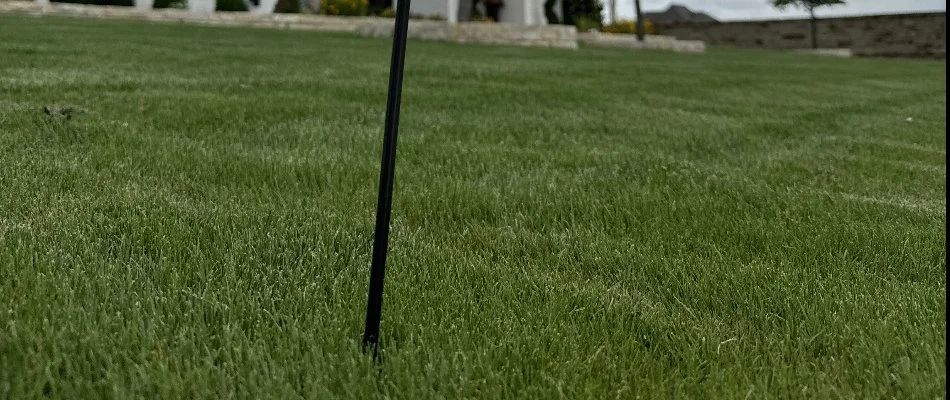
(914, 35)
(650, 42)
(560, 36)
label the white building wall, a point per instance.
(448, 9)
(521, 12)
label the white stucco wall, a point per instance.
(521, 12)
(448, 9)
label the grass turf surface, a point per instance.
(589, 224)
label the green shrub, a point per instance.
(577, 10)
(549, 12)
(168, 4)
(387, 12)
(287, 7)
(377, 7)
(230, 5)
(628, 26)
(585, 24)
(344, 7)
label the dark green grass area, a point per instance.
(580, 224)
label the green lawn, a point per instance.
(580, 224)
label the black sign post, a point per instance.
(374, 306)
(640, 32)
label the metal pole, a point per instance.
(374, 305)
(636, 4)
(814, 28)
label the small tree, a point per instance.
(809, 5)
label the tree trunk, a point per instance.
(636, 4)
(613, 11)
(814, 28)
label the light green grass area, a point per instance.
(567, 224)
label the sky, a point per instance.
(727, 10)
